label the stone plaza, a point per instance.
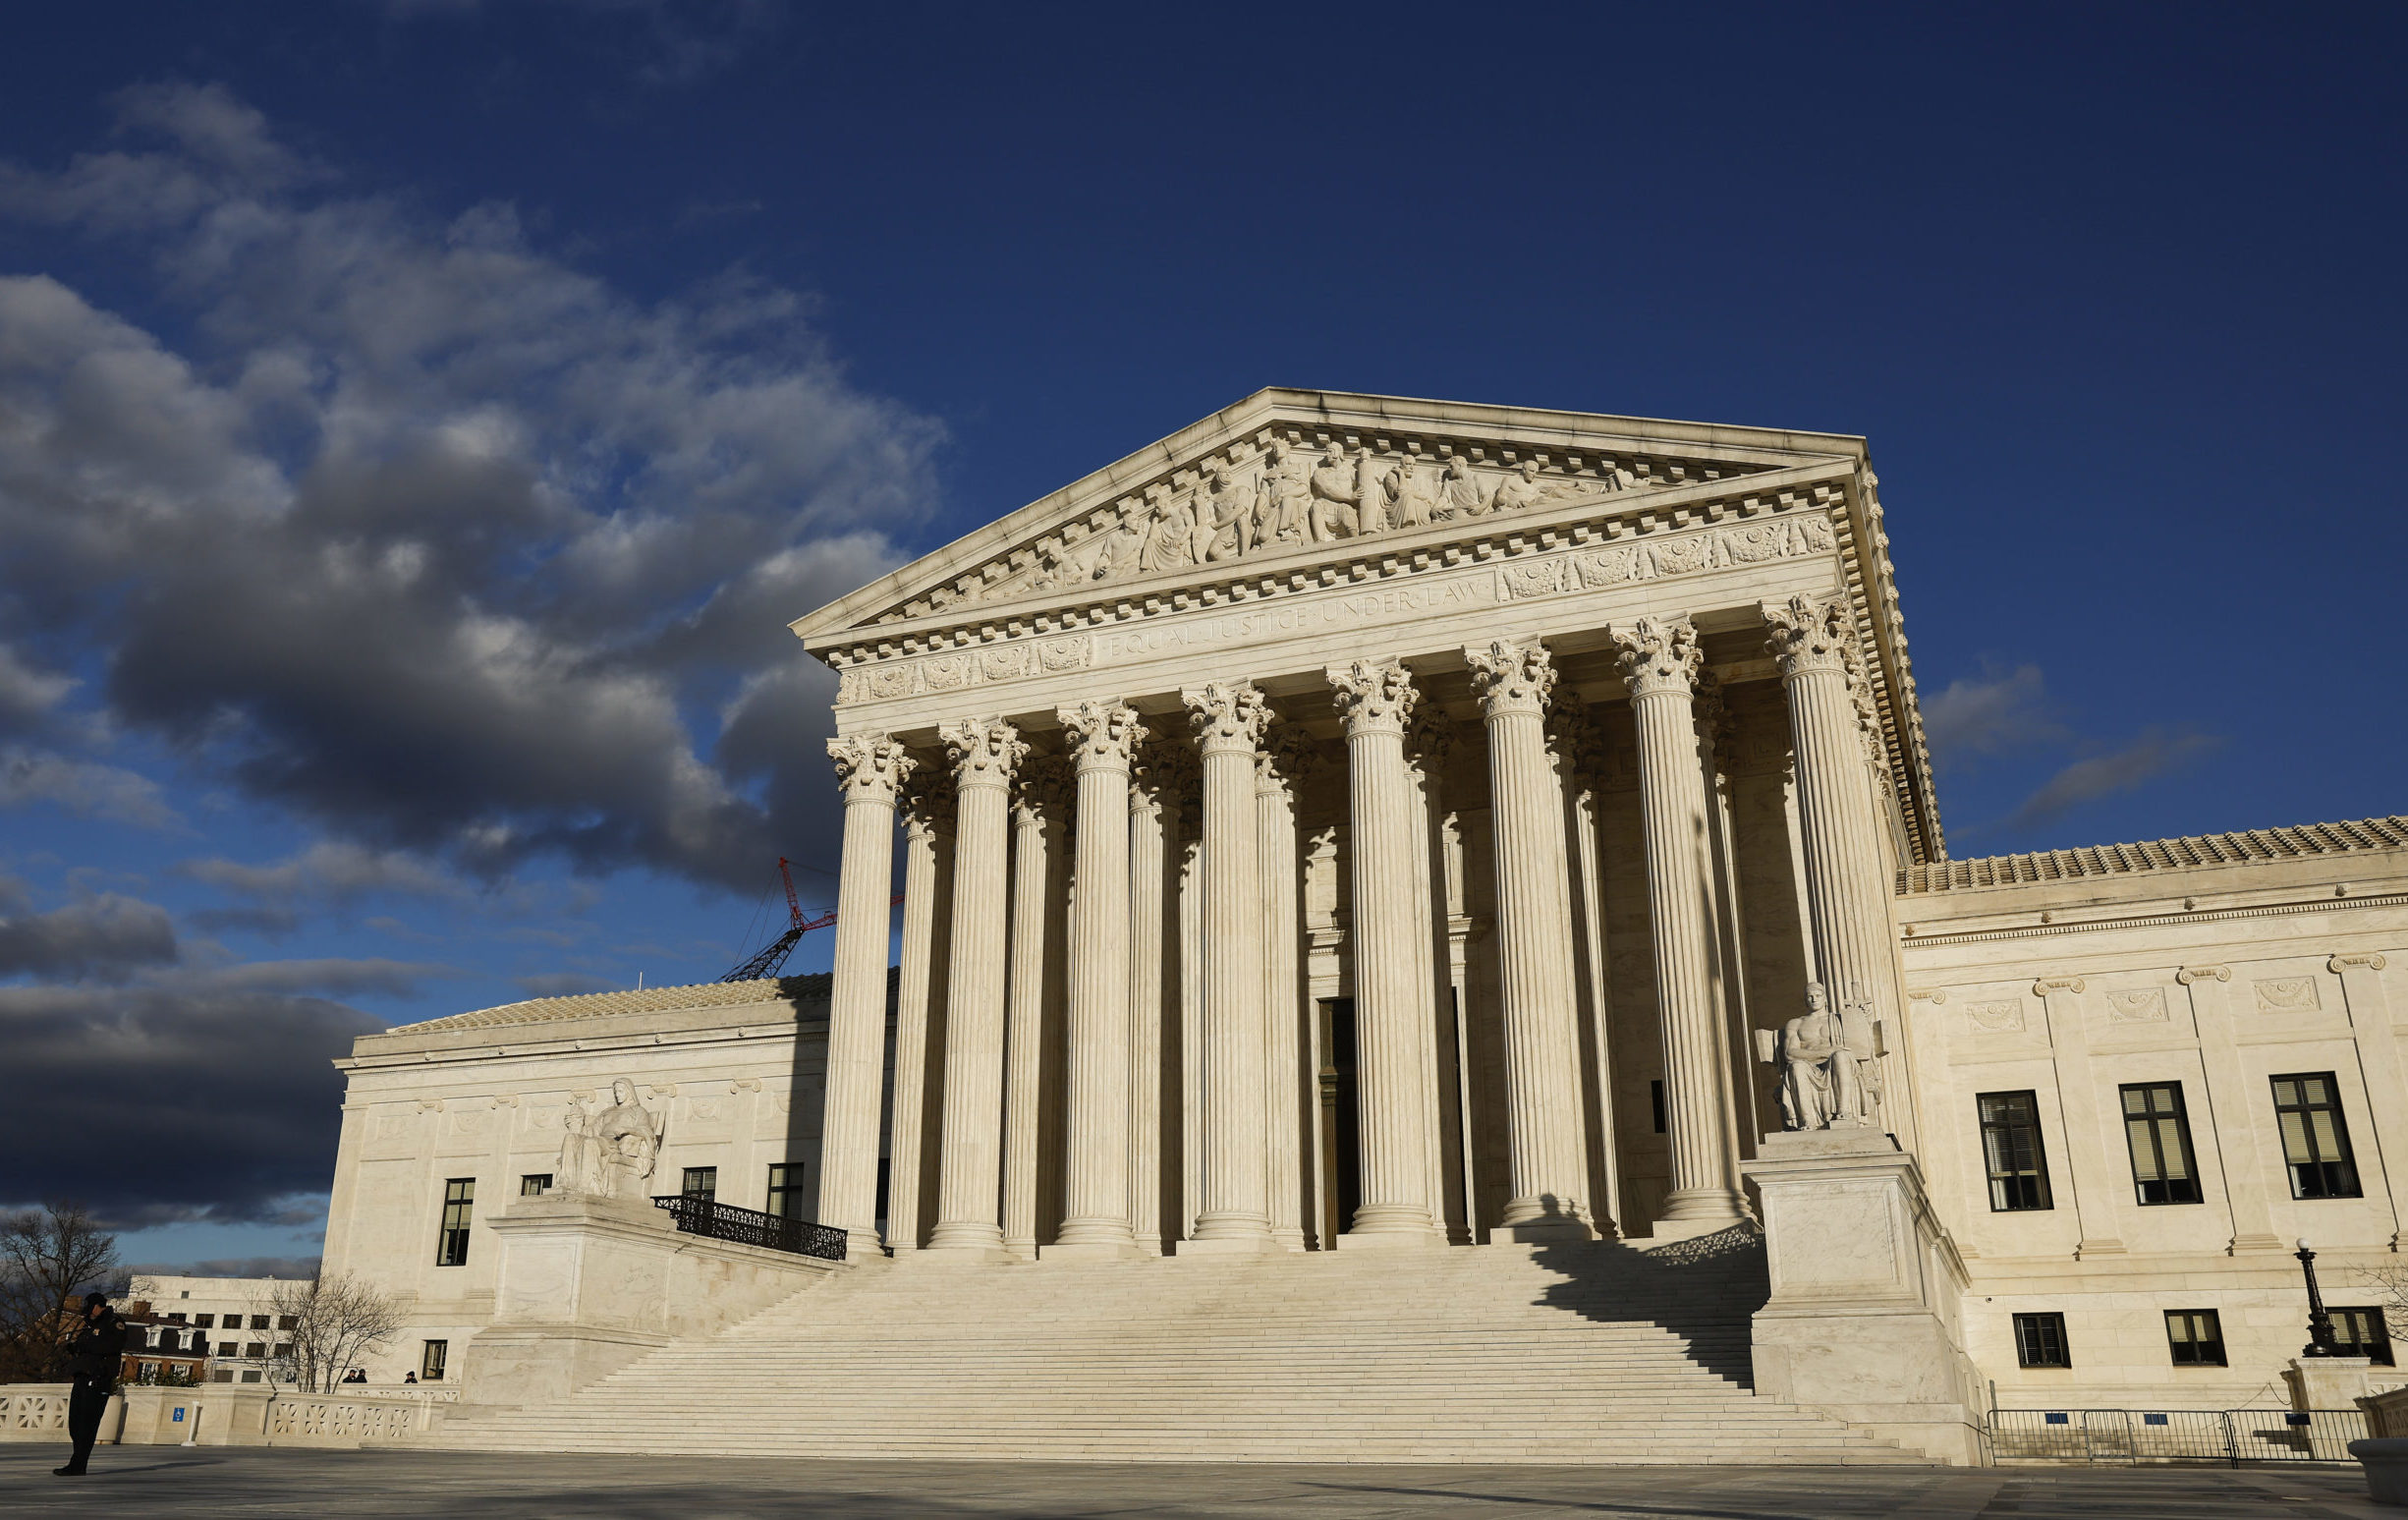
(1426, 936)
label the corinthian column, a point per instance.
(985, 752)
(1281, 766)
(1375, 699)
(1096, 1138)
(870, 770)
(1512, 680)
(920, 1000)
(1428, 740)
(1153, 975)
(1847, 870)
(1037, 800)
(1229, 722)
(1659, 659)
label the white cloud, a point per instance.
(430, 538)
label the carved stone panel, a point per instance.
(2139, 1005)
(2288, 994)
(1996, 1018)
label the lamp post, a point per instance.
(2320, 1324)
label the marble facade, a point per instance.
(1365, 824)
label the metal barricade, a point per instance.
(2132, 1438)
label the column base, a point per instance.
(1390, 1240)
(2241, 1243)
(863, 1246)
(1091, 1251)
(965, 1242)
(1720, 1206)
(1541, 1231)
(1229, 1245)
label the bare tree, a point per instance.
(47, 1255)
(336, 1320)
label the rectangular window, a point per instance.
(702, 1182)
(287, 1322)
(2040, 1340)
(259, 1322)
(178, 1317)
(2158, 1132)
(284, 1348)
(2196, 1336)
(206, 1322)
(431, 1359)
(255, 1349)
(786, 1189)
(225, 1348)
(2315, 1139)
(534, 1184)
(2362, 1332)
(250, 1374)
(459, 1202)
(2011, 1147)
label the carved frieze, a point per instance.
(2138, 1005)
(1277, 491)
(1436, 580)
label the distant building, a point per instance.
(233, 1320)
(162, 1348)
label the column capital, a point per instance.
(927, 802)
(1372, 696)
(1226, 715)
(2045, 985)
(870, 767)
(983, 752)
(1285, 759)
(2191, 976)
(1160, 770)
(1809, 634)
(1511, 675)
(1040, 790)
(1104, 735)
(1659, 655)
(2372, 961)
(1428, 740)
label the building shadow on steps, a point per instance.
(1702, 1289)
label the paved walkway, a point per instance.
(205, 1482)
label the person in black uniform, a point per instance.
(93, 1360)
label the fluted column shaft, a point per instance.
(1425, 744)
(1036, 855)
(1847, 874)
(1659, 659)
(1283, 1091)
(927, 864)
(1375, 699)
(1149, 981)
(1229, 722)
(871, 769)
(984, 754)
(1096, 1140)
(1513, 681)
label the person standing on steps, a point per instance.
(93, 1360)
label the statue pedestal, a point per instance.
(2326, 1381)
(1862, 1320)
(582, 1291)
(588, 1284)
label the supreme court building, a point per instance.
(1409, 829)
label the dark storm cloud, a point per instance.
(154, 1105)
(103, 938)
(431, 539)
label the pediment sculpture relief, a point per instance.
(1261, 500)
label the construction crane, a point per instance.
(772, 959)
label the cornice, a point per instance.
(2153, 920)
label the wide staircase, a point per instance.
(1572, 1354)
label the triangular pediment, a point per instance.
(1286, 472)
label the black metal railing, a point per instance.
(714, 1221)
(2129, 1437)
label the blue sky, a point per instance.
(418, 420)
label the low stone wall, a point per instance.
(33, 1411)
(2387, 1414)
